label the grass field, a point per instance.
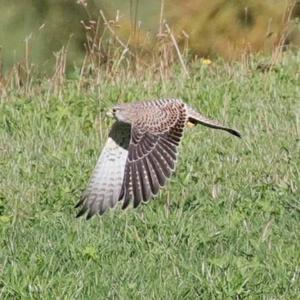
(226, 227)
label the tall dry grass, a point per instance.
(108, 56)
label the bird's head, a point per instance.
(122, 113)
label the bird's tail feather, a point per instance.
(197, 118)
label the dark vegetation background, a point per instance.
(211, 28)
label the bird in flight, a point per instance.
(140, 153)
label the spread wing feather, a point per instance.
(151, 160)
(105, 185)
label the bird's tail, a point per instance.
(197, 118)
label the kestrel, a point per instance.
(140, 153)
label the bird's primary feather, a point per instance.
(106, 181)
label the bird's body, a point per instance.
(140, 153)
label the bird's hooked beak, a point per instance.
(110, 113)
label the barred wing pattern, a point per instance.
(105, 184)
(152, 155)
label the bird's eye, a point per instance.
(114, 110)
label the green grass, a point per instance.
(225, 227)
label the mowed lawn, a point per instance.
(227, 226)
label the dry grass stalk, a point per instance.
(58, 77)
(177, 50)
(282, 40)
(3, 81)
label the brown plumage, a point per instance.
(140, 153)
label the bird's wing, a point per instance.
(151, 160)
(106, 181)
(195, 117)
